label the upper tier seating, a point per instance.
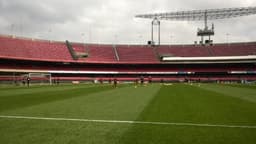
(184, 51)
(234, 49)
(33, 49)
(136, 54)
(28, 49)
(96, 53)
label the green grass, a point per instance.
(177, 103)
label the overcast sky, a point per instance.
(112, 21)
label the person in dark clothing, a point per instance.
(136, 81)
(141, 80)
(28, 81)
(162, 81)
(58, 81)
(23, 81)
(149, 79)
(115, 82)
(101, 81)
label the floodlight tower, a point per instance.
(156, 22)
(199, 15)
(206, 31)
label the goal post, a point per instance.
(42, 78)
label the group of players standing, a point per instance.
(137, 81)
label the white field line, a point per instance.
(131, 122)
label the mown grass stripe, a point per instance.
(24, 100)
(30, 90)
(247, 94)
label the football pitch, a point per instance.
(152, 114)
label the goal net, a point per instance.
(40, 78)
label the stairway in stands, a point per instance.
(116, 53)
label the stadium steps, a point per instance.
(116, 53)
(71, 50)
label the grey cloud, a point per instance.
(111, 21)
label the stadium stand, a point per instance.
(137, 54)
(20, 48)
(184, 51)
(124, 62)
(96, 53)
(239, 49)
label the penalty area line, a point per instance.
(130, 122)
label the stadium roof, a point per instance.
(198, 15)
